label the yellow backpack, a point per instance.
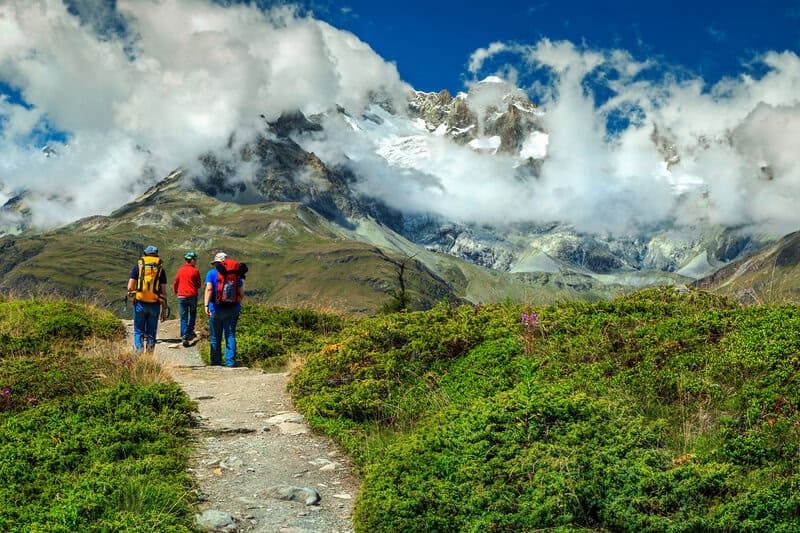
(148, 286)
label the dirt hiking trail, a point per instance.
(257, 465)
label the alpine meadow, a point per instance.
(557, 291)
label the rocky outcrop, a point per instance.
(441, 110)
(279, 170)
(513, 125)
(512, 117)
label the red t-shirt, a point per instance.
(187, 281)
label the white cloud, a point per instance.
(615, 180)
(188, 74)
(479, 56)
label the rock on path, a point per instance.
(255, 458)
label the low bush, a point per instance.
(658, 411)
(268, 337)
(108, 460)
(29, 380)
(86, 443)
(30, 327)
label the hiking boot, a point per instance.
(185, 343)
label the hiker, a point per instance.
(223, 302)
(187, 283)
(147, 285)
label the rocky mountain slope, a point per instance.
(297, 257)
(302, 160)
(769, 276)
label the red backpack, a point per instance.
(228, 280)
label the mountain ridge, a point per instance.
(293, 159)
(297, 256)
(769, 276)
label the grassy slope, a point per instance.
(769, 276)
(296, 257)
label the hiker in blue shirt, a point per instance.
(147, 284)
(223, 302)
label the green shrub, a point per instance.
(381, 361)
(77, 451)
(30, 327)
(29, 380)
(108, 460)
(268, 336)
(658, 411)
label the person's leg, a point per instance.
(138, 327)
(229, 328)
(151, 324)
(191, 303)
(183, 309)
(215, 338)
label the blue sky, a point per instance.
(431, 41)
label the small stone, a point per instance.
(213, 520)
(286, 417)
(292, 493)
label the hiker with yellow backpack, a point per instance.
(148, 283)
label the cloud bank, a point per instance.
(730, 145)
(144, 89)
(139, 90)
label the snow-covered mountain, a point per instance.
(431, 168)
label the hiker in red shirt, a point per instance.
(187, 283)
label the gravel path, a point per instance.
(256, 459)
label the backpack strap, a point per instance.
(140, 277)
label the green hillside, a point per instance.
(90, 439)
(663, 410)
(770, 276)
(296, 257)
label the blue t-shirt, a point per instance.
(212, 278)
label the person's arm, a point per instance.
(134, 277)
(207, 297)
(196, 281)
(175, 282)
(240, 290)
(162, 290)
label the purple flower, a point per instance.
(530, 320)
(6, 391)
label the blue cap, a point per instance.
(190, 255)
(151, 250)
